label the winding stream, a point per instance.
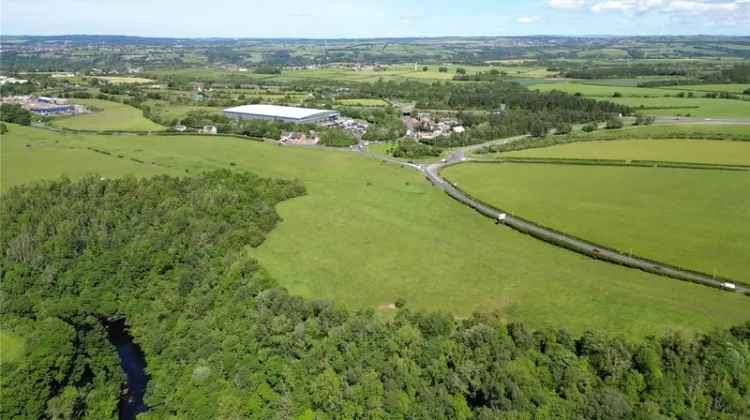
(133, 363)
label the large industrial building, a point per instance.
(280, 113)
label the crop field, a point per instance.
(691, 218)
(368, 233)
(696, 107)
(112, 116)
(11, 347)
(702, 151)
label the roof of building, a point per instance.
(278, 111)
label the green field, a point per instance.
(368, 233)
(362, 102)
(696, 107)
(11, 347)
(170, 111)
(110, 116)
(703, 151)
(601, 90)
(691, 218)
(735, 88)
(32, 154)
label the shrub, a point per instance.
(590, 127)
(614, 123)
(538, 129)
(644, 120)
(336, 138)
(411, 149)
(563, 128)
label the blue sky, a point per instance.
(383, 18)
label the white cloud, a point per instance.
(675, 7)
(697, 7)
(640, 6)
(528, 19)
(566, 4)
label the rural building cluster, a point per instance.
(427, 127)
(42, 105)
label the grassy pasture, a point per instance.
(691, 218)
(703, 151)
(368, 233)
(696, 107)
(113, 116)
(11, 347)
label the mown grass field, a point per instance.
(112, 116)
(690, 218)
(11, 347)
(696, 107)
(368, 233)
(703, 151)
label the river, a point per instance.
(133, 363)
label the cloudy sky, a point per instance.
(373, 18)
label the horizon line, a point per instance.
(591, 36)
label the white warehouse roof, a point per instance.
(276, 111)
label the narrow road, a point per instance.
(432, 172)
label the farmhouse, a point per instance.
(280, 113)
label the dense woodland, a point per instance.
(174, 257)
